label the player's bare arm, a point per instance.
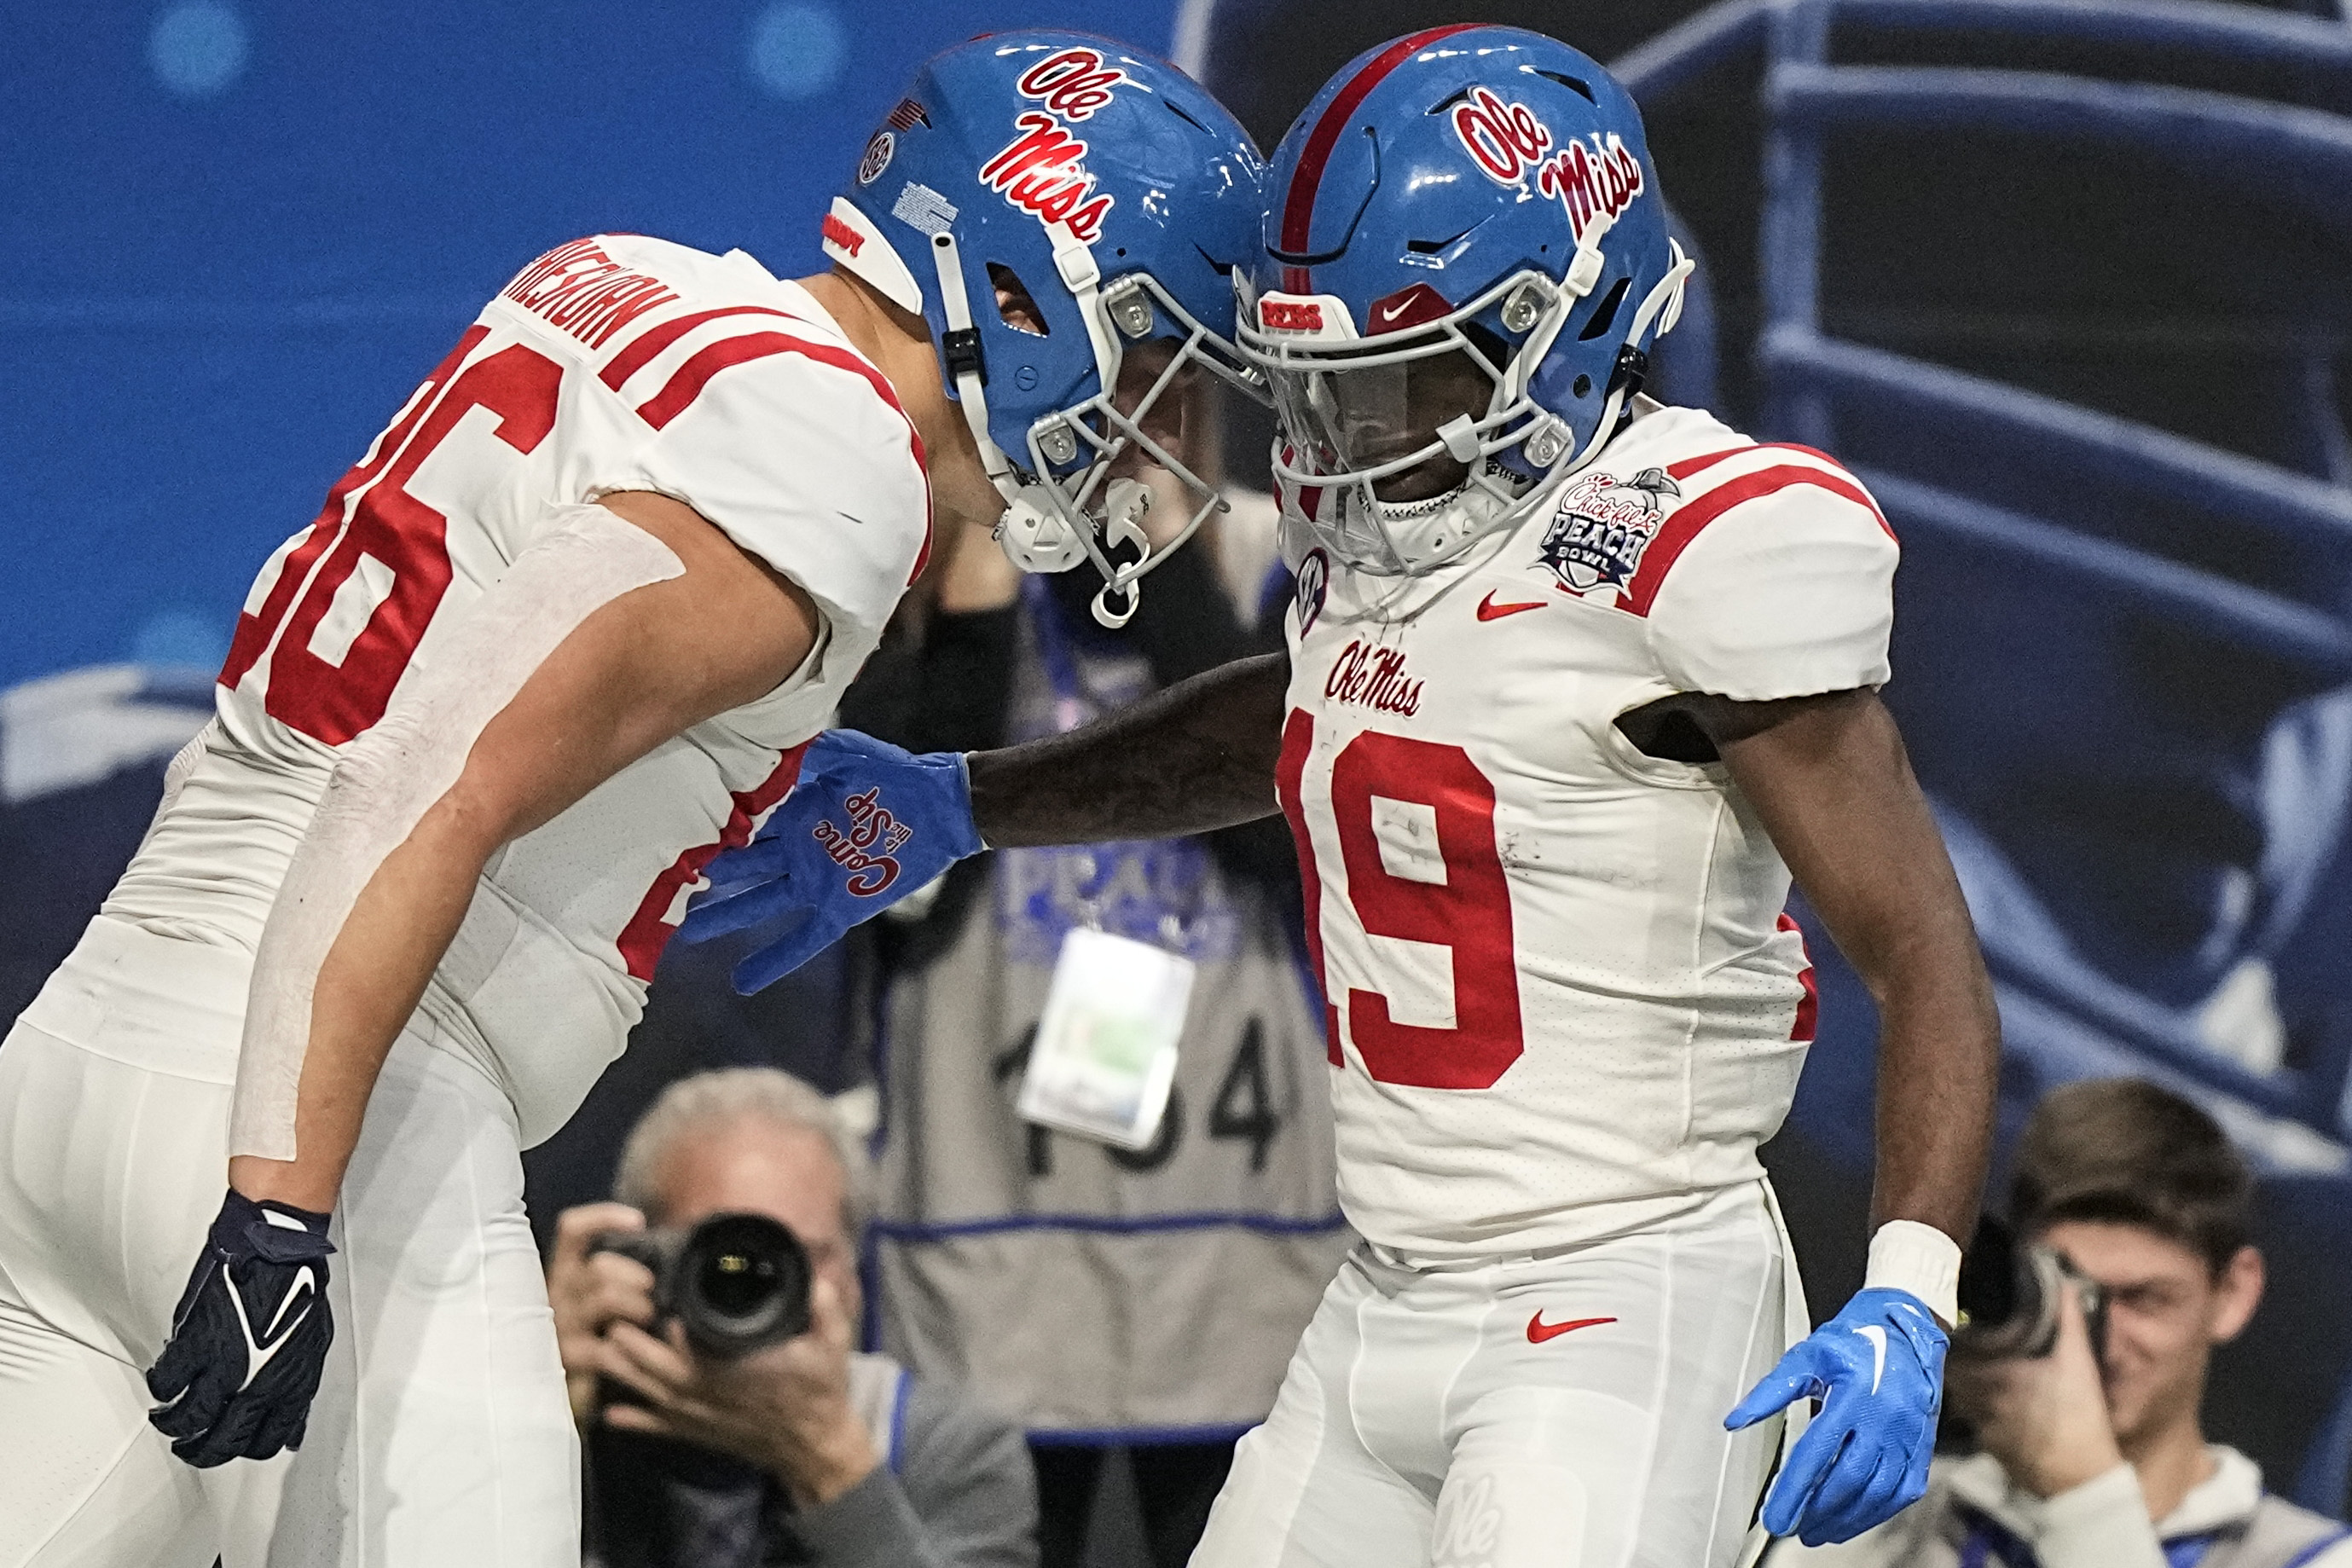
(651, 663)
(1197, 757)
(1830, 779)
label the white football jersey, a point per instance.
(1564, 1001)
(617, 362)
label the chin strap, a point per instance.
(1663, 304)
(1032, 531)
(960, 352)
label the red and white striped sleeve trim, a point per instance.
(661, 371)
(1730, 478)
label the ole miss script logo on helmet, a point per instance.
(1042, 171)
(1595, 183)
(1602, 527)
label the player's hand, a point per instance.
(866, 825)
(249, 1337)
(1878, 1369)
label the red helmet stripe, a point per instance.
(1298, 206)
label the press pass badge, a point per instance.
(1106, 1048)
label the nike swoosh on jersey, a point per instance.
(1540, 1331)
(258, 1354)
(1490, 610)
(1877, 1338)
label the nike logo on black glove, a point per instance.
(225, 1391)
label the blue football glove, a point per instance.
(249, 1337)
(1878, 1369)
(865, 825)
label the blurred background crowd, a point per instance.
(2063, 280)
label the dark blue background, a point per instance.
(225, 270)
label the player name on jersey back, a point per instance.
(613, 363)
(1563, 999)
(583, 291)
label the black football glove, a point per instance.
(249, 1337)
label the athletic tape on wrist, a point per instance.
(1906, 1255)
(387, 779)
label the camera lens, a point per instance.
(737, 1283)
(743, 1283)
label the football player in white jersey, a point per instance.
(561, 636)
(1575, 683)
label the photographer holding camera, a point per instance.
(2090, 1453)
(727, 1421)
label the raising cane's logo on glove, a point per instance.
(867, 848)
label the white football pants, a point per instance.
(440, 1435)
(1563, 1411)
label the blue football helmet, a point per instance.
(1111, 198)
(1463, 266)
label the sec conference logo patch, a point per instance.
(1602, 527)
(1313, 585)
(877, 157)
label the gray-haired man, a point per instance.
(807, 1452)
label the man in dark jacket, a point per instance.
(806, 1452)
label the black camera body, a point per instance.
(2009, 1294)
(735, 1282)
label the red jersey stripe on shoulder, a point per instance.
(1690, 465)
(641, 349)
(1298, 205)
(687, 383)
(1688, 519)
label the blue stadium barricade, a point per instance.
(82, 755)
(2325, 1483)
(2303, 156)
(1916, 432)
